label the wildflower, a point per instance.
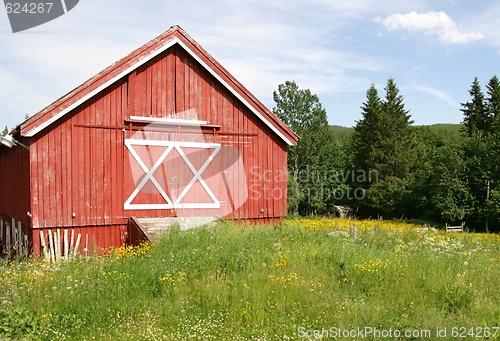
(282, 262)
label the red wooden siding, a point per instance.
(14, 195)
(78, 170)
(15, 183)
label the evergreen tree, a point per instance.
(476, 113)
(397, 145)
(315, 154)
(482, 151)
(384, 142)
(367, 133)
(493, 102)
(5, 131)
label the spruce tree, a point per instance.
(476, 113)
(493, 102)
(384, 143)
(482, 151)
(367, 134)
(398, 140)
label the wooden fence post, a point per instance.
(354, 231)
(1, 237)
(66, 245)
(51, 247)
(1, 228)
(7, 239)
(20, 238)
(77, 244)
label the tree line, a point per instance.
(391, 168)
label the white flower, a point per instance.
(466, 263)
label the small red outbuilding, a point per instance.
(164, 132)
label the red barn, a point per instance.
(164, 132)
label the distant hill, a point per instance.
(339, 130)
(443, 128)
(439, 128)
(344, 134)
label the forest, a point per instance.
(387, 167)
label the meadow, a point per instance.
(303, 279)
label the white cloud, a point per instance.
(287, 53)
(430, 23)
(438, 94)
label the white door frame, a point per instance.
(170, 145)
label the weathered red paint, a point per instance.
(77, 173)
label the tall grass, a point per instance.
(263, 283)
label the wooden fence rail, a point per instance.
(459, 228)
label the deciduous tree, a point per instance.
(315, 155)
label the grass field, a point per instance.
(303, 279)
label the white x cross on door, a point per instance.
(149, 174)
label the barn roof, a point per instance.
(175, 35)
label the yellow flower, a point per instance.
(281, 262)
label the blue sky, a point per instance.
(337, 49)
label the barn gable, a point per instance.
(174, 36)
